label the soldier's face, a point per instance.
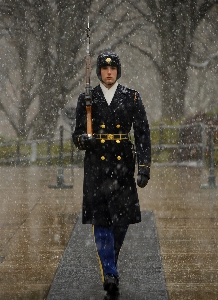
(108, 75)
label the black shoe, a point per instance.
(111, 284)
(114, 296)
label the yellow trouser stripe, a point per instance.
(99, 260)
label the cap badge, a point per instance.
(108, 60)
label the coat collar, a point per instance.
(120, 90)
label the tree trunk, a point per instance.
(175, 60)
(24, 92)
(45, 122)
(68, 32)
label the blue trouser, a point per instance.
(109, 241)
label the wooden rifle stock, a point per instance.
(89, 119)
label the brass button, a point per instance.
(102, 125)
(117, 141)
(102, 141)
(102, 157)
(118, 125)
(119, 157)
(110, 136)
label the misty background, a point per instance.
(168, 52)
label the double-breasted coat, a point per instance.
(109, 188)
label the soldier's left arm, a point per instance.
(142, 137)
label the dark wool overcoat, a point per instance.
(109, 188)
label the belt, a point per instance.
(111, 136)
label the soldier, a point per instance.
(110, 199)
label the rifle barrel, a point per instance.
(88, 93)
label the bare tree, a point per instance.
(56, 29)
(175, 23)
(21, 77)
(61, 31)
(49, 39)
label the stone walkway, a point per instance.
(36, 224)
(140, 268)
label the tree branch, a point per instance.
(146, 53)
(150, 18)
(206, 63)
(204, 9)
(10, 118)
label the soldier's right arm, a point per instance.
(81, 120)
(81, 139)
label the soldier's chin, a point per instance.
(109, 83)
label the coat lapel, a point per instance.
(99, 98)
(108, 110)
(119, 97)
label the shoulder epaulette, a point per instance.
(126, 90)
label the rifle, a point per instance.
(88, 92)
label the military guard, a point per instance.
(110, 199)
